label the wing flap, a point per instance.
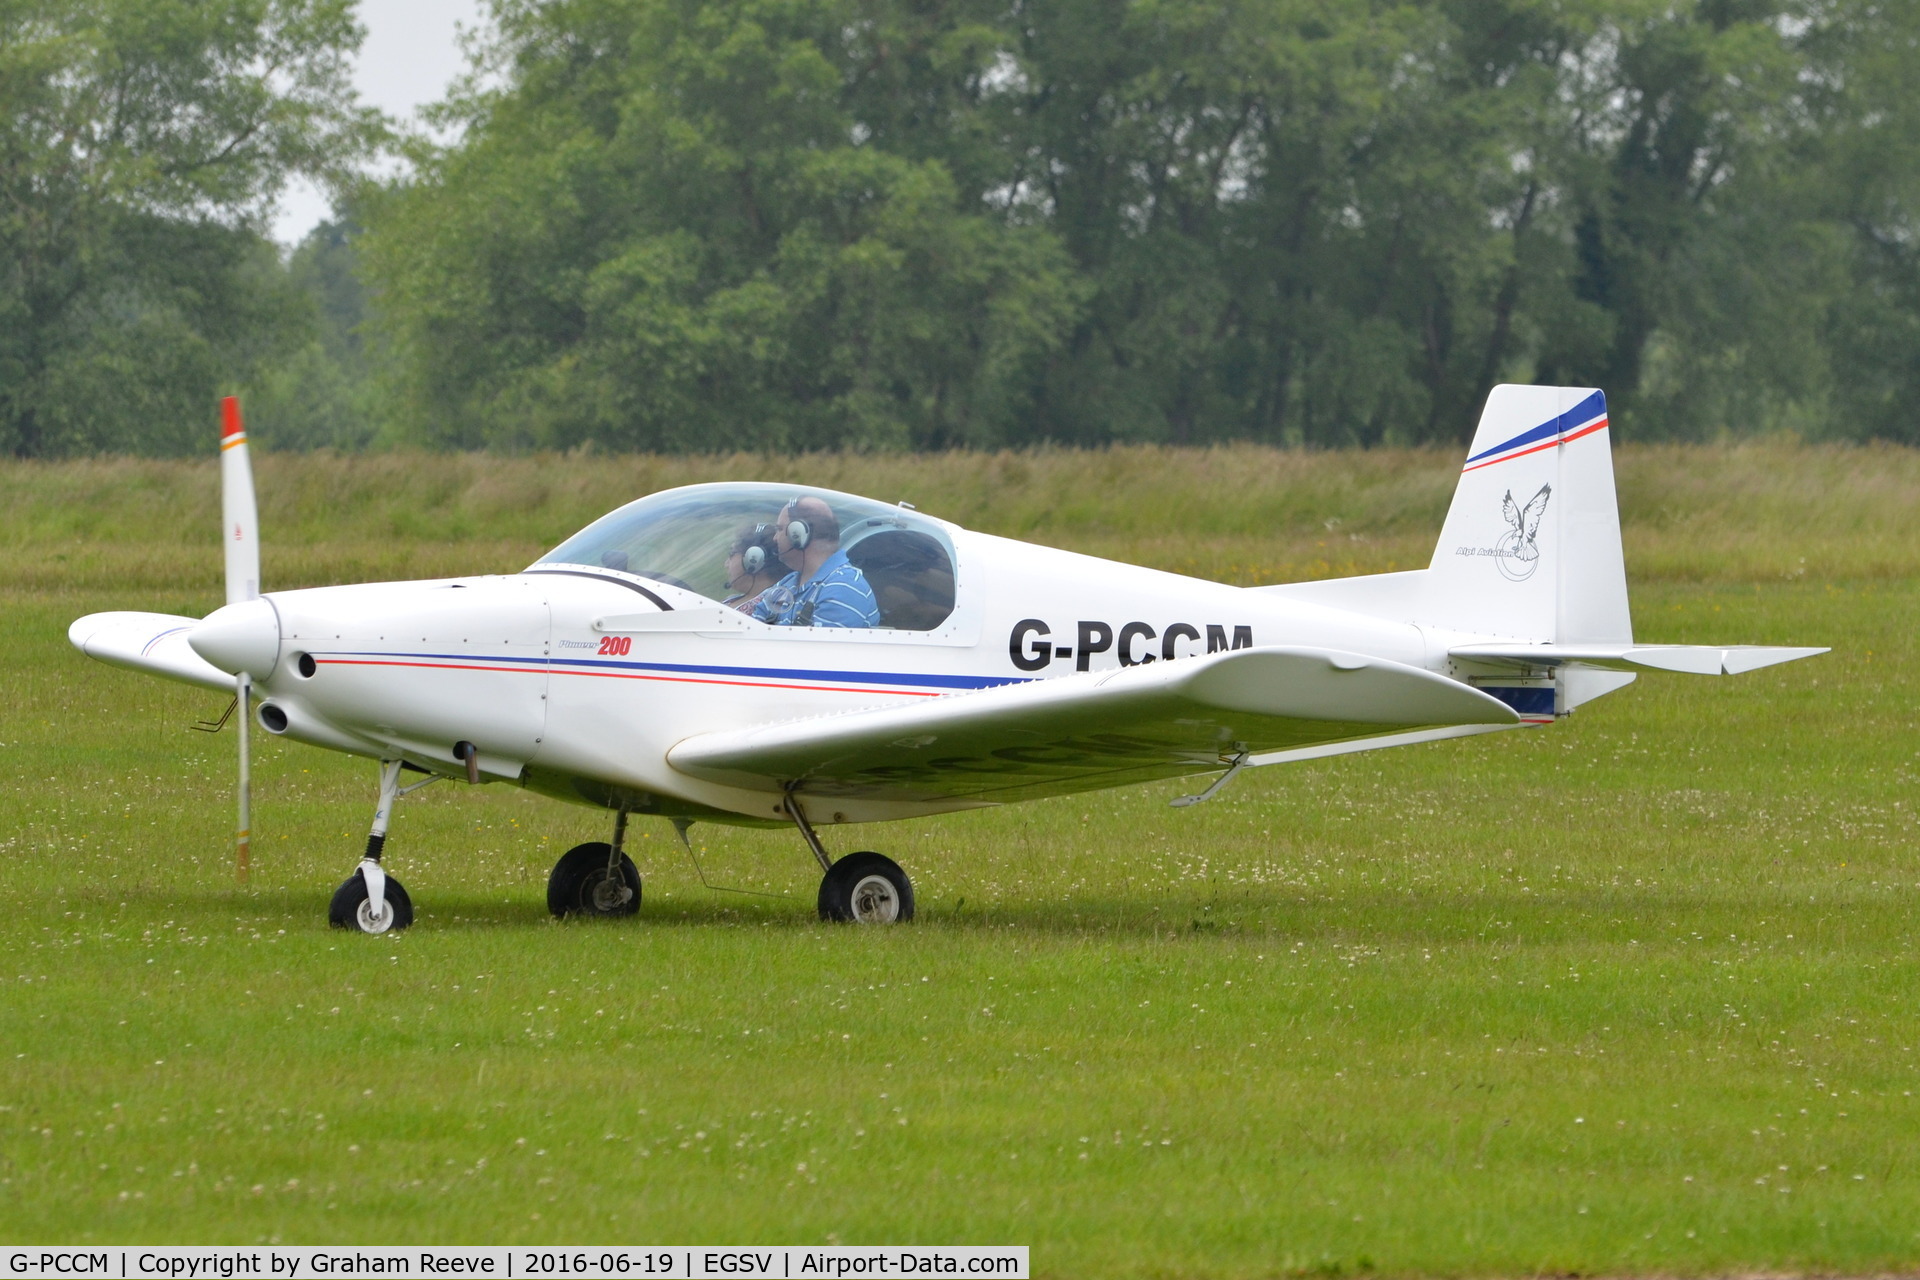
(155, 643)
(1079, 733)
(1689, 659)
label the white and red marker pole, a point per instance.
(239, 532)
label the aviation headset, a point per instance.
(754, 558)
(797, 531)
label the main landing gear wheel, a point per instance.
(583, 884)
(866, 888)
(352, 907)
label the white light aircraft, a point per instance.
(889, 664)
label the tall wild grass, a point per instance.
(1240, 513)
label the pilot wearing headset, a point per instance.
(825, 589)
(753, 565)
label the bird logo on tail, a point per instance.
(1516, 554)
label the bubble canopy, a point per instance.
(683, 537)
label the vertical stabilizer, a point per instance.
(1531, 546)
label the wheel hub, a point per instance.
(609, 893)
(371, 923)
(875, 901)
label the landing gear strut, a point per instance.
(861, 888)
(596, 878)
(370, 900)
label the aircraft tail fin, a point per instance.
(1527, 589)
(1531, 546)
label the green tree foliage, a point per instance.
(140, 141)
(676, 232)
(706, 224)
(800, 222)
(1859, 181)
(318, 391)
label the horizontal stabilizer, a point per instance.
(1081, 732)
(1690, 659)
(155, 643)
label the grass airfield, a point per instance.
(1632, 994)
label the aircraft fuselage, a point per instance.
(577, 681)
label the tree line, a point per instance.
(686, 225)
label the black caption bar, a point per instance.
(493, 1262)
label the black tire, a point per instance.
(347, 910)
(580, 886)
(866, 888)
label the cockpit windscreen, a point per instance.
(720, 541)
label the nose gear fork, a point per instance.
(371, 900)
(370, 868)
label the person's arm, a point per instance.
(763, 604)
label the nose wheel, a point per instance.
(370, 900)
(353, 906)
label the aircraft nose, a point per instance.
(240, 637)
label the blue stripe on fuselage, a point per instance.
(768, 673)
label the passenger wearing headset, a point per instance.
(825, 589)
(753, 565)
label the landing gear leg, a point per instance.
(863, 888)
(596, 879)
(370, 900)
(806, 832)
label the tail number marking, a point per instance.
(1132, 644)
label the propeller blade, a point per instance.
(240, 527)
(239, 516)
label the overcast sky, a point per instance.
(407, 60)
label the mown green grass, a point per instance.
(1564, 1000)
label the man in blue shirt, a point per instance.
(825, 589)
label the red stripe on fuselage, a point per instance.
(623, 675)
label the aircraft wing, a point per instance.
(1084, 732)
(1691, 659)
(155, 643)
